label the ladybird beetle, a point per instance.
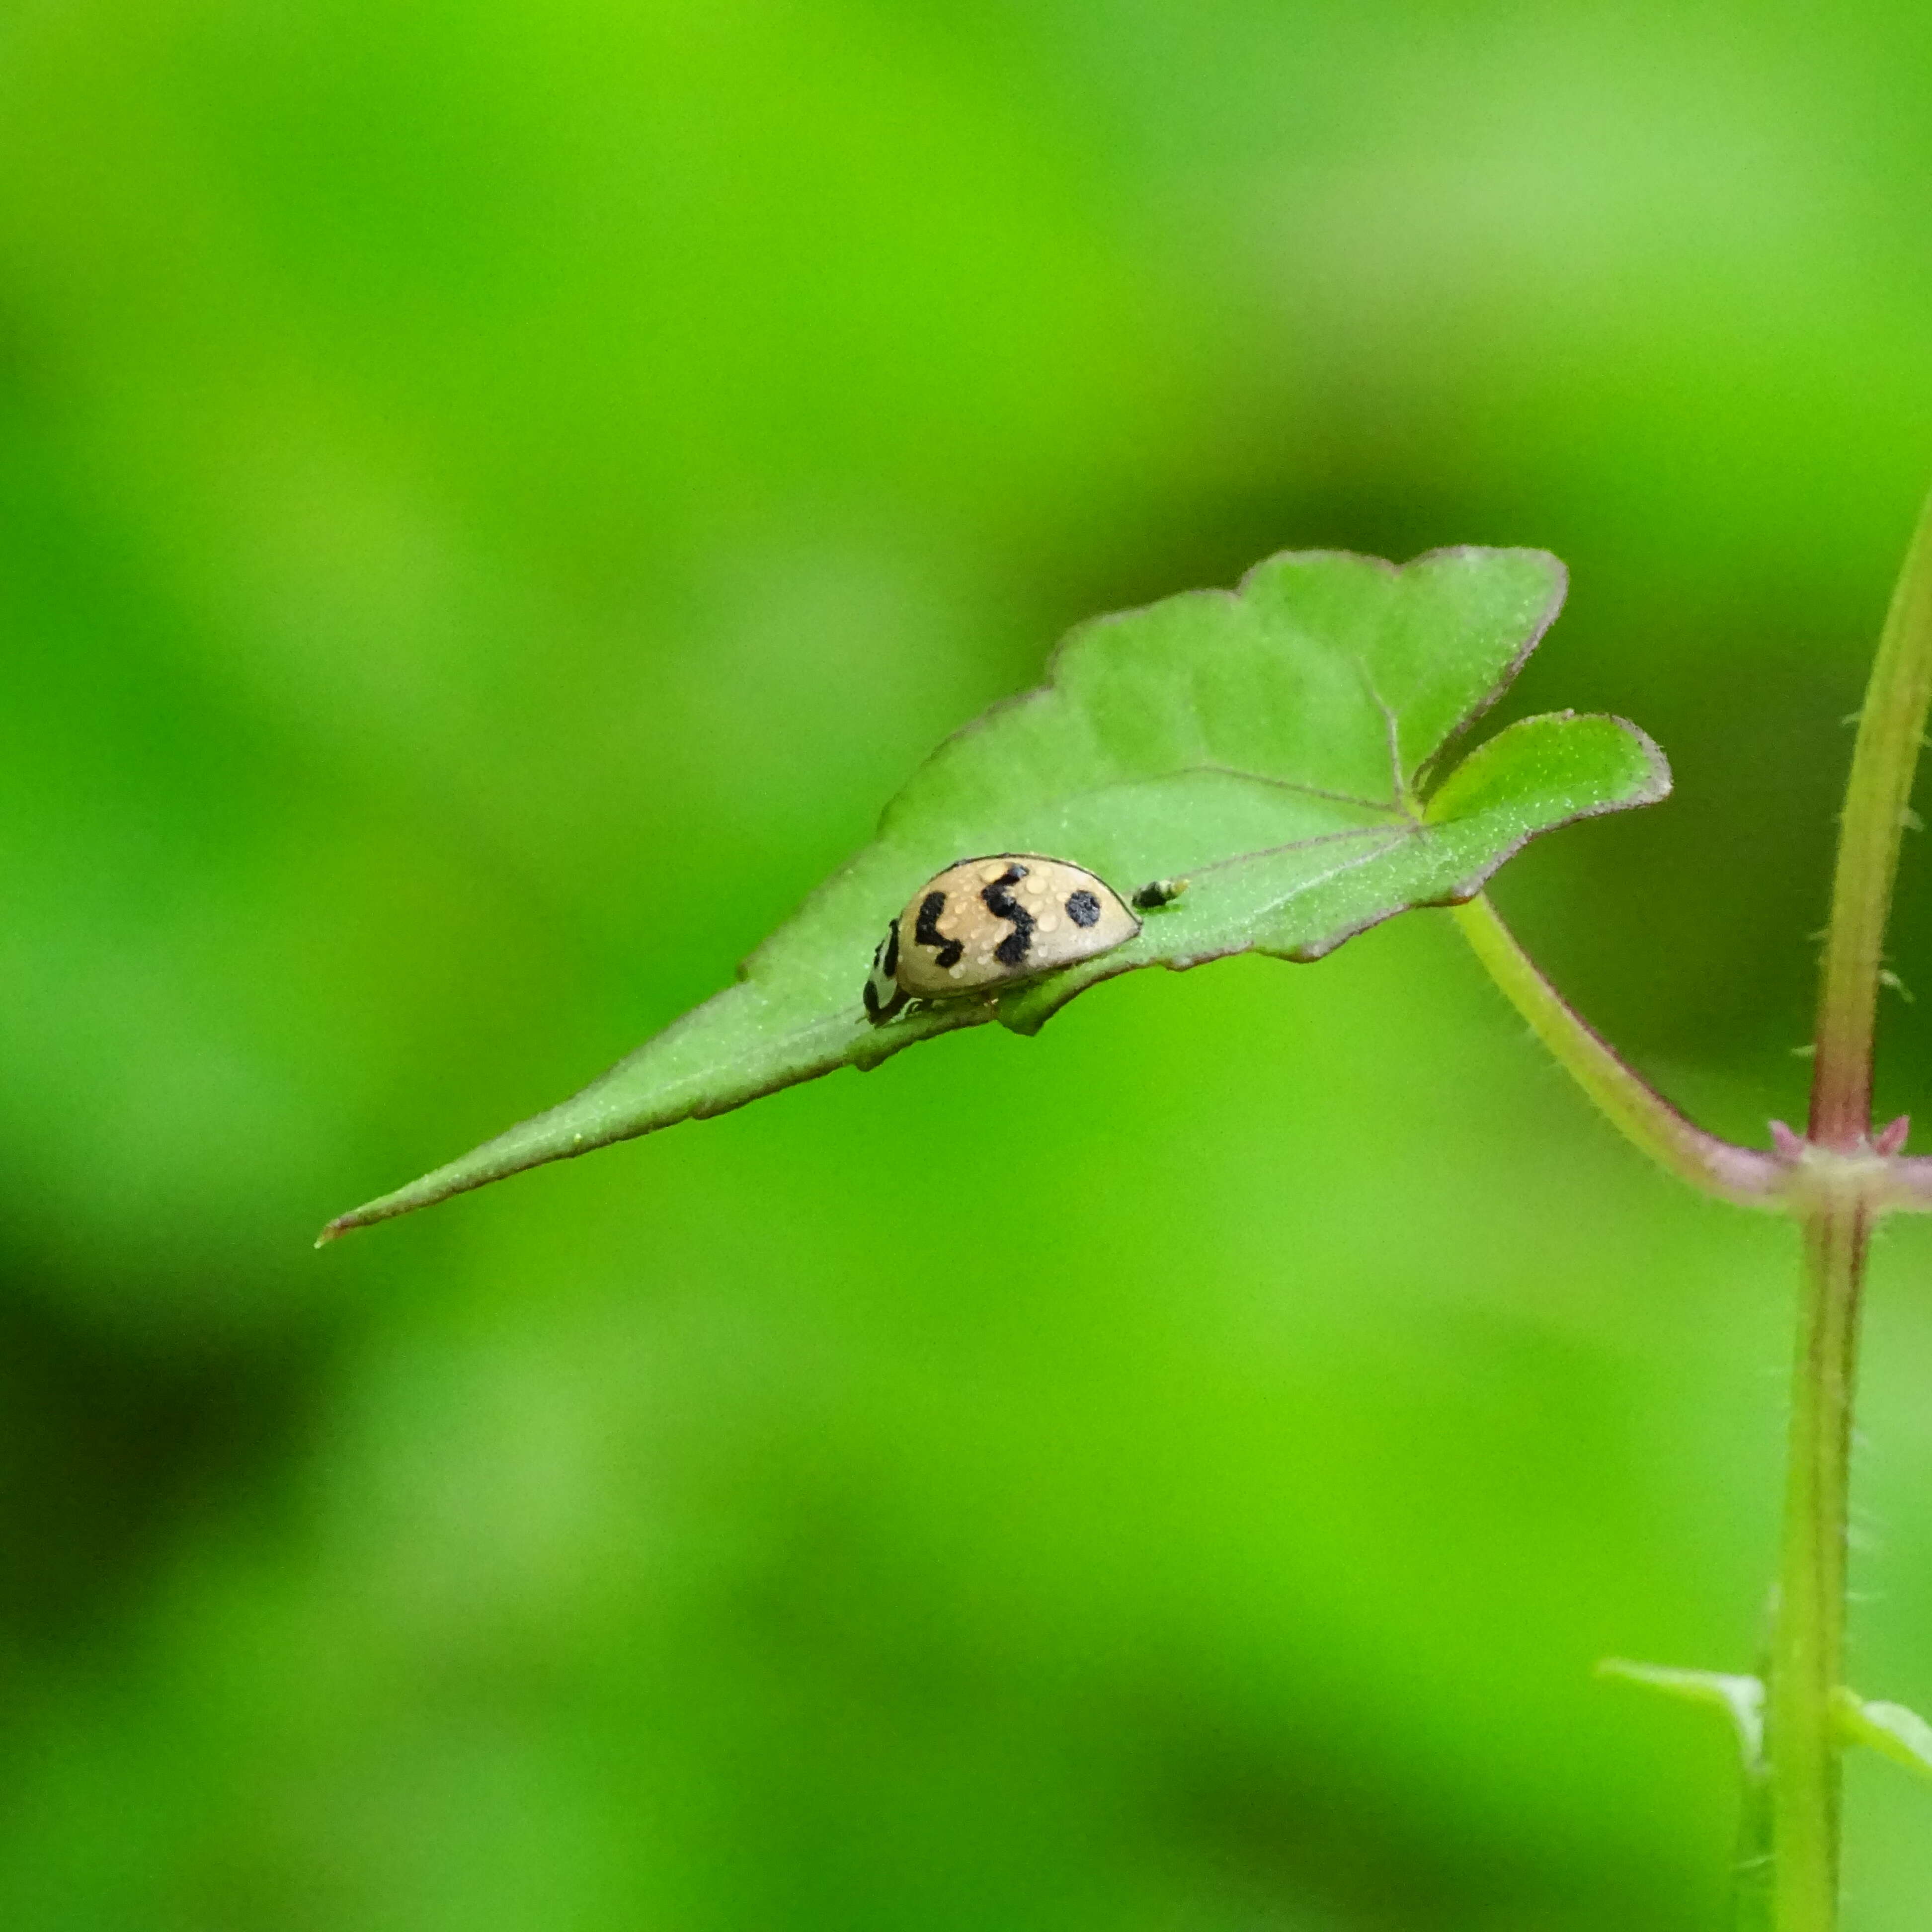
(986, 923)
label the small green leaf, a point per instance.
(1282, 748)
(1740, 1699)
(1898, 1733)
(1754, 1903)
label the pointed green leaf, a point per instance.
(1898, 1733)
(1283, 747)
(1740, 1699)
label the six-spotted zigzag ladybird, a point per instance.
(986, 923)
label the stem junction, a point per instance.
(1837, 1180)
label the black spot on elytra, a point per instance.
(871, 999)
(1001, 904)
(1083, 908)
(892, 959)
(927, 932)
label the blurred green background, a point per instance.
(493, 498)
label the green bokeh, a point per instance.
(492, 499)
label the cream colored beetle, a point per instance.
(989, 922)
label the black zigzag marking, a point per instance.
(927, 933)
(1001, 904)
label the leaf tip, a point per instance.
(1741, 1699)
(1893, 1730)
(1655, 786)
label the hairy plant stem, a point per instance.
(1837, 1181)
(1878, 795)
(1808, 1631)
(1639, 1112)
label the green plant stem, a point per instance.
(1838, 1182)
(1838, 1205)
(1878, 795)
(1739, 1175)
(1808, 1634)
